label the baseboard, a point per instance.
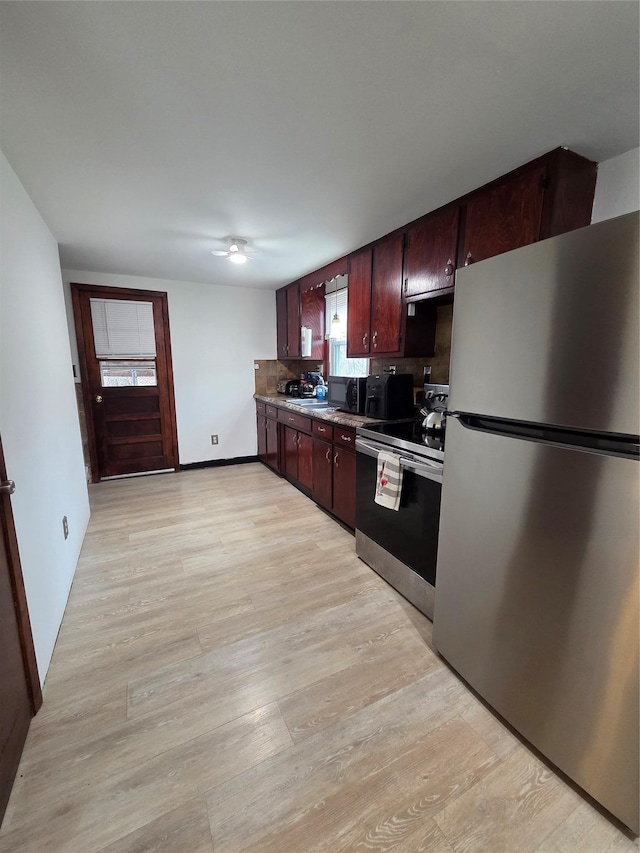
(218, 463)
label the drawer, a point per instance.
(261, 408)
(344, 436)
(295, 421)
(323, 430)
(272, 412)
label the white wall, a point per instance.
(38, 412)
(216, 333)
(618, 186)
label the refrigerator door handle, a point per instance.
(586, 441)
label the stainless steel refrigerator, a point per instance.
(536, 602)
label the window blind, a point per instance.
(123, 328)
(341, 297)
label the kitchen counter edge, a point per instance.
(342, 418)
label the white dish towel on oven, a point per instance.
(388, 480)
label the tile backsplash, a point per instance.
(271, 371)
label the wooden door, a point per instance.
(344, 485)
(386, 296)
(131, 428)
(359, 304)
(430, 254)
(20, 694)
(505, 216)
(322, 472)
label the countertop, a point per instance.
(335, 417)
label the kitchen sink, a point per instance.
(318, 405)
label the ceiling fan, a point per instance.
(237, 251)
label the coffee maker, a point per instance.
(309, 383)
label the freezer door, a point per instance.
(549, 333)
(536, 602)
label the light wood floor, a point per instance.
(229, 676)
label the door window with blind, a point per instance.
(336, 330)
(125, 342)
(124, 353)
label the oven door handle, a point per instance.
(422, 470)
(432, 471)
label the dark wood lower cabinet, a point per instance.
(334, 480)
(314, 455)
(272, 444)
(298, 457)
(267, 437)
(305, 460)
(262, 438)
(290, 445)
(323, 473)
(344, 485)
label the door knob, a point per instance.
(98, 398)
(7, 487)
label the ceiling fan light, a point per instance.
(234, 247)
(238, 258)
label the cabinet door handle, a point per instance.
(321, 429)
(335, 460)
(7, 487)
(375, 339)
(364, 339)
(345, 437)
(448, 270)
(406, 283)
(327, 455)
(468, 260)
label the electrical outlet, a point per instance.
(65, 526)
(214, 439)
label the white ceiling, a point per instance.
(145, 132)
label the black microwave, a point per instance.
(347, 393)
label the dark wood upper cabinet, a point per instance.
(505, 217)
(312, 316)
(431, 247)
(303, 304)
(386, 296)
(377, 317)
(395, 282)
(544, 198)
(282, 335)
(288, 321)
(374, 316)
(359, 304)
(293, 321)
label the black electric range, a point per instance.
(401, 543)
(408, 436)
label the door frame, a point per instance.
(136, 295)
(19, 596)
